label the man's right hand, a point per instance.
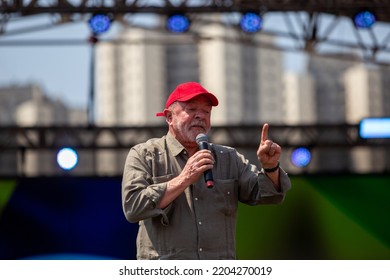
(196, 165)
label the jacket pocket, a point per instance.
(226, 195)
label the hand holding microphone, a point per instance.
(203, 144)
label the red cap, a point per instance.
(187, 91)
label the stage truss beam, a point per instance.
(242, 136)
(337, 7)
(308, 33)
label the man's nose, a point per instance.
(200, 114)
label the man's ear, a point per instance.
(168, 115)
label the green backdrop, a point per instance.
(322, 217)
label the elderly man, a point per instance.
(164, 190)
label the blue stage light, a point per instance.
(301, 157)
(178, 23)
(364, 19)
(251, 22)
(67, 158)
(99, 23)
(374, 128)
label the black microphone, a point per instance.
(203, 143)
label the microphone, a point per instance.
(203, 144)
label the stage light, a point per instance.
(364, 19)
(374, 128)
(251, 22)
(67, 158)
(178, 23)
(99, 23)
(301, 157)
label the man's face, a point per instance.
(190, 118)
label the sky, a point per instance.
(63, 71)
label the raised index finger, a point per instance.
(264, 133)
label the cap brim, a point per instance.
(160, 114)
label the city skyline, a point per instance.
(64, 71)
(62, 68)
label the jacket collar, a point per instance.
(174, 145)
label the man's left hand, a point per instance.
(268, 152)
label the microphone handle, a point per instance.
(203, 145)
(208, 174)
(208, 177)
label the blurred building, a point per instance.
(330, 100)
(246, 77)
(345, 92)
(29, 106)
(385, 81)
(182, 63)
(337, 91)
(135, 78)
(131, 87)
(131, 79)
(299, 108)
(299, 104)
(365, 98)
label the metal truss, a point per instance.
(337, 7)
(242, 136)
(308, 25)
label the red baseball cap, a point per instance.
(187, 91)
